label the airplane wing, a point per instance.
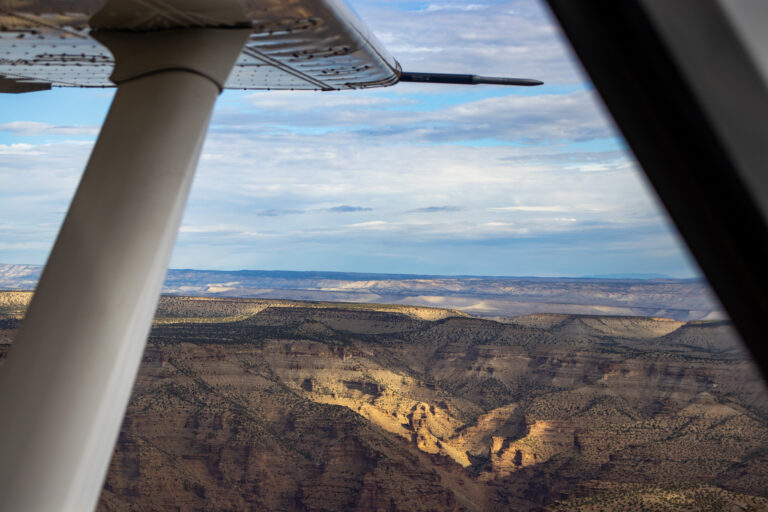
(299, 44)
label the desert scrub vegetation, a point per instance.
(681, 497)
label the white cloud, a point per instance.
(301, 101)
(18, 149)
(530, 209)
(515, 38)
(373, 224)
(427, 177)
(33, 128)
(546, 118)
(456, 7)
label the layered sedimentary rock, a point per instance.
(279, 405)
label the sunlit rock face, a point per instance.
(283, 405)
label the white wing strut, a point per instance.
(67, 381)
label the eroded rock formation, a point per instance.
(280, 405)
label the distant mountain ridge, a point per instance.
(485, 296)
(631, 276)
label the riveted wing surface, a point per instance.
(295, 44)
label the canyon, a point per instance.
(266, 404)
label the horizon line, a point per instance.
(618, 276)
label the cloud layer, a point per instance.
(416, 178)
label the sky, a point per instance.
(417, 178)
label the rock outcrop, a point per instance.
(282, 405)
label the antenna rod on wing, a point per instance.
(449, 78)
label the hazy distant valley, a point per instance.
(489, 297)
(247, 404)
